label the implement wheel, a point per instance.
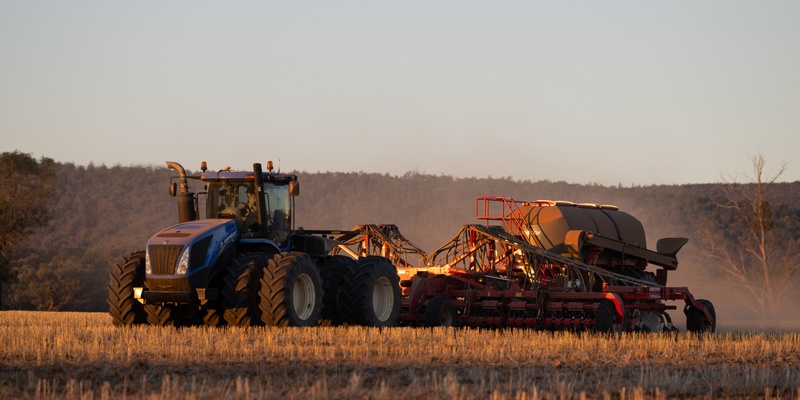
(696, 320)
(291, 291)
(128, 273)
(240, 293)
(605, 316)
(440, 311)
(371, 293)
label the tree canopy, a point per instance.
(26, 189)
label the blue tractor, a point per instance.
(245, 264)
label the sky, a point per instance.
(607, 92)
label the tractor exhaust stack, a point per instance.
(185, 197)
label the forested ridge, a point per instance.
(101, 213)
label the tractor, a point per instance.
(245, 264)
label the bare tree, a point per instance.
(761, 257)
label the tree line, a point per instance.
(98, 213)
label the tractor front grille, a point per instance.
(164, 258)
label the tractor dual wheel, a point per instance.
(240, 293)
(160, 315)
(332, 270)
(171, 315)
(127, 274)
(291, 291)
(440, 311)
(213, 316)
(370, 293)
(696, 320)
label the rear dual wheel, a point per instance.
(282, 291)
(370, 293)
(291, 291)
(241, 291)
(332, 271)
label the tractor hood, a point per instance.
(188, 247)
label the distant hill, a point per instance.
(101, 213)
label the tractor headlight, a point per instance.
(147, 268)
(183, 263)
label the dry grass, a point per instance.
(81, 355)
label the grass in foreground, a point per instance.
(81, 355)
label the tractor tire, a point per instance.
(371, 293)
(158, 315)
(240, 293)
(213, 317)
(291, 291)
(332, 270)
(696, 319)
(604, 317)
(440, 311)
(172, 315)
(128, 273)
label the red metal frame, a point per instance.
(498, 278)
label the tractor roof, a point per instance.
(246, 176)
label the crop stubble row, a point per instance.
(82, 354)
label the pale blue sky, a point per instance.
(631, 92)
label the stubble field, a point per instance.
(81, 355)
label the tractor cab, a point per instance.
(237, 199)
(261, 202)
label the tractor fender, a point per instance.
(259, 245)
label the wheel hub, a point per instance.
(383, 299)
(304, 297)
